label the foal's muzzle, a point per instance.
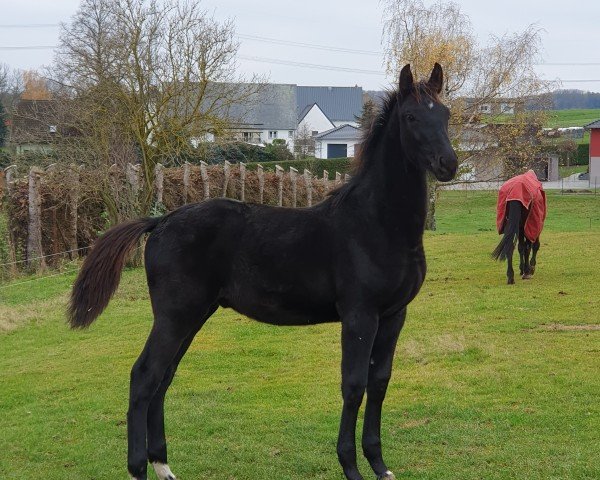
(444, 167)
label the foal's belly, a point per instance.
(296, 297)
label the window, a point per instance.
(290, 133)
(315, 132)
(507, 108)
(485, 108)
(52, 128)
(272, 134)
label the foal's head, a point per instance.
(424, 124)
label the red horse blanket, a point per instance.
(528, 190)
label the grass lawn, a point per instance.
(568, 171)
(490, 381)
(572, 117)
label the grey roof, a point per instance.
(273, 107)
(595, 124)
(343, 132)
(338, 103)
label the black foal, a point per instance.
(357, 257)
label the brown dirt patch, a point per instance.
(570, 328)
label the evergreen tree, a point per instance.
(3, 127)
(367, 115)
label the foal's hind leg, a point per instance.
(147, 373)
(380, 371)
(157, 444)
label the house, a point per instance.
(341, 105)
(330, 115)
(594, 129)
(34, 126)
(495, 106)
(269, 114)
(338, 142)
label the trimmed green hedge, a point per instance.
(583, 154)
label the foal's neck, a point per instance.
(397, 189)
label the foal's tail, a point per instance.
(101, 271)
(511, 229)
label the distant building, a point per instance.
(594, 129)
(338, 142)
(495, 106)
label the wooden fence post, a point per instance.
(261, 183)
(205, 180)
(293, 178)
(227, 173)
(279, 174)
(242, 181)
(159, 178)
(186, 181)
(338, 178)
(9, 177)
(308, 182)
(73, 206)
(133, 177)
(10, 173)
(35, 254)
(347, 177)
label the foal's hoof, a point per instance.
(510, 281)
(163, 472)
(527, 276)
(386, 476)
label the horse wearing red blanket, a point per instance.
(521, 211)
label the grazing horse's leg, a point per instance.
(534, 249)
(380, 371)
(162, 346)
(157, 444)
(521, 254)
(527, 251)
(358, 334)
(510, 273)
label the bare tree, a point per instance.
(476, 77)
(158, 76)
(304, 142)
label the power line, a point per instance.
(30, 25)
(29, 47)
(308, 45)
(311, 65)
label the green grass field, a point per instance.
(572, 118)
(490, 381)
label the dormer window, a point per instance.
(52, 128)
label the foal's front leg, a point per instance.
(380, 371)
(358, 334)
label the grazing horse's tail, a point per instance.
(511, 229)
(101, 271)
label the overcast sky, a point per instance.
(571, 36)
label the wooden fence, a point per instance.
(54, 220)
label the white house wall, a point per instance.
(315, 120)
(595, 171)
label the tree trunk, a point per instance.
(432, 194)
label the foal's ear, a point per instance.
(406, 80)
(436, 80)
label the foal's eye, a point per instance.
(410, 117)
